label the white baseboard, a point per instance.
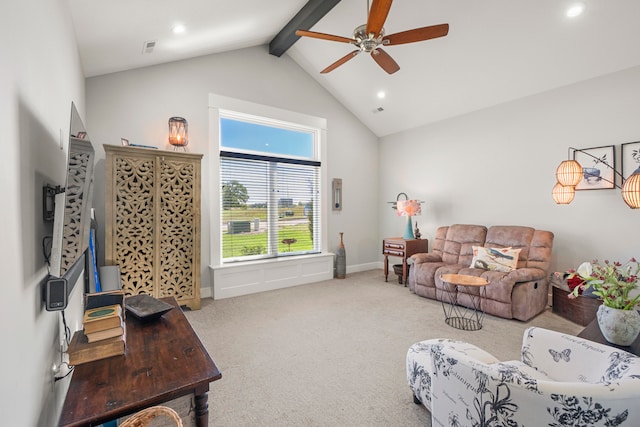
(363, 267)
(205, 291)
(208, 291)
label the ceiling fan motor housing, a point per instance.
(367, 42)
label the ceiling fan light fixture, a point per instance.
(367, 42)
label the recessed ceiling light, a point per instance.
(179, 29)
(381, 94)
(575, 9)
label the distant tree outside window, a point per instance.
(234, 195)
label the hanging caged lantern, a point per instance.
(178, 132)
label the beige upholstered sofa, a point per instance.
(517, 294)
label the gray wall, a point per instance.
(497, 166)
(39, 77)
(137, 104)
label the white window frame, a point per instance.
(222, 106)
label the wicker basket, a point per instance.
(143, 417)
(397, 269)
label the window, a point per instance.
(269, 188)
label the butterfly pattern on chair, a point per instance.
(561, 355)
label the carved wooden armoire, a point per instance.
(152, 212)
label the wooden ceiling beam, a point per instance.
(306, 18)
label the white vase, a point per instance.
(618, 326)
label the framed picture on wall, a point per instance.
(598, 167)
(630, 154)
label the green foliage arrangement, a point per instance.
(611, 281)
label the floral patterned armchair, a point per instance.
(561, 380)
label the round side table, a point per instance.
(461, 317)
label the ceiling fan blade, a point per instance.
(377, 15)
(340, 61)
(385, 61)
(416, 35)
(323, 36)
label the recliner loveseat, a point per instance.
(520, 293)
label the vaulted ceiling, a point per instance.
(496, 50)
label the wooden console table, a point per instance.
(163, 360)
(402, 248)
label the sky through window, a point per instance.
(254, 137)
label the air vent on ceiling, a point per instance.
(148, 46)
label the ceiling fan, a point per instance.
(369, 37)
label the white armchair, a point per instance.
(561, 380)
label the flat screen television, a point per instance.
(72, 217)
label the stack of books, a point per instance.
(104, 333)
(103, 322)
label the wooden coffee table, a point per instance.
(462, 317)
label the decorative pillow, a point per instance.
(496, 259)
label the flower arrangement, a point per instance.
(611, 281)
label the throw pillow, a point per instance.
(495, 259)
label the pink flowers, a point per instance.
(408, 207)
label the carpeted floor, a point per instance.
(332, 353)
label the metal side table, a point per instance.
(462, 317)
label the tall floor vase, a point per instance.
(619, 327)
(341, 260)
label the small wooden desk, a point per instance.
(163, 360)
(402, 248)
